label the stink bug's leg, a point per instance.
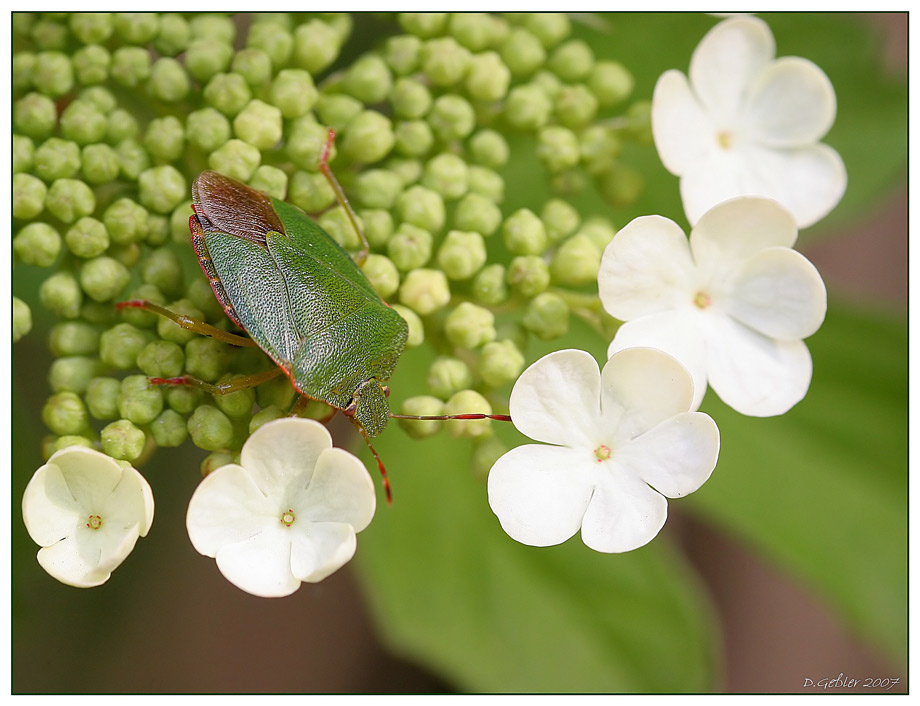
(221, 388)
(383, 470)
(300, 405)
(187, 322)
(444, 417)
(340, 196)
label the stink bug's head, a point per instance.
(223, 204)
(369, 407)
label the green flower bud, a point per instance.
(378, 226)
(163, 269)
(136, 27)
(122, 440)
(549, 27)
(121, 126)
(170, 331)
(600, 231)
(207, 358)
(447, 376)
(139, 401)
(207, 129)
(416, 327)
(489, 285)
(69, 200)
(576, 106)
(409, 170)
(402, 53)
(410, 98)
(368, 79)
(382, 274)
(28, 196)
(102, 397)
(200, 296)
(169, 429)
(444, 61)
(293, 92)
(236, 159)
(72, 338)
(524, 233)
(23, 154)
(265, 415)
(64, 413)
(576, 261)
(128, 254)
(274, 39)
(133, 158)
(639, 116)
(120, 345)
(311, 191)
(337, 224)
(165, 138)
(168, 80)
(91, 27)
(488, 183)
(474, 30)
(91, 64)
(236, 404)
(61, 294)
(500, 363)
(487, 78)
(572, 61)
(57, 159)
(599, 149)
(22, 319)
(216, 460)
(23, 65)
(547, 316)
(336, 110)
(37, 244)
(72, 373)
(425, 291)
(207, 57)
(126, 221)
(421, 207)
(610, 82)
(130, 66)
(162, 188)
(276, 392)
(218, 26)
(52, 73)
(183, 399)
(22, 23)
(99, 96)
(557, 148)
(377, 188)
(174, 35)
(522, 53)
(421, 406)
(528, 107)
(486, 452)
(529, 275)
(369, 137)
(559, 218)
(489, 148)
(316, 46)
(210, 428)
(270, 180)
(35, 116)
(621, 185)
(414, 138)
(139, 317)
(549, 82)
(469, 326)
(477, 213)
(259, 124)
(410, 247)
(305, 145)
(87, 238)
(100, 163)
(462, 254)
(452, 118)
(447, 174)
(468, 402)
(228, 93)
(424, 24)
(254, 65)
(178, 223)
(103, 278)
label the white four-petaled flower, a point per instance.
(86, 510)
(288, 513)
(733, 304)
(623, 439)
(748, 124)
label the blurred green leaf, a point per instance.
(822, 490)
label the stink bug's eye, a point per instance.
(349, 411)
(386, 390)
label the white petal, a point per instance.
(790, 104)
(341, 491)
(227, 507)
(90, 475)
(540, 493)
(130, 503)
(808, 181)
(283, 452)
(557, 399)
(726, 61)
(721, 176)
(677, 333)
(677, 456)
(49, 510)
(260, 564)
(624, 514)
(646, 268)
(84, 564)
(780, 294)
(753, 374)
(684, 134)
(322, 550)
(728, 234)
(641, 387)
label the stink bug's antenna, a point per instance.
(444, 417)
(340, 196)
(383, 470)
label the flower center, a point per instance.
(95, 522)
(702, 300)
(287, 517)
(602, 453)
(725, 139)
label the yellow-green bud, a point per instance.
(474, 30)
(524, 233)
(293, 92)
(161, 359)
(139, 401)
(489, 285)
(421, 207)
(72, 338)
(469, 326)
(102, 397)
(547, 316)
(316, 46)
(277, 392)
(91, 64)
(528, 107)
(522, 52)
(489, 148)
(99, 96)
(121, 126)
(61, 294)
(560, 219)
(165, 138)
(557, 148)
(207, 129)
(169, 429)
(91, 27)
(52, 73)
(120, 345)
(259, 124)
(264, 415)
(368, 79)
(414, 138)
(70, 199)
(311, 191)
(402, 53)
(130, 66)
(274, 39)
(100, 163)
(335, 110)
(236, 159)
(378, 226)
(68, 440)
(576, 106)
(228, 93)
(64, 413)
(468, 402)
(57, 159)
(23, 154)
(126, 222)
(37, 244)
(425, 291)
(486, 451)
(640, 122)
(487, 182)
(377, 188)
(28, 196)
(410, 98)
(184, 399)
(447, 376)
(23, 64)
(254, 65)
(83, 123)
(168, 80)
(529, 275)
(136, 27)
(488, 78)
(72, 373)
(217, 26)
(210, 428)
(368, 137)
(424, 24)
(22, 319)
(103, 278)
(477, 213)
(500, 362)
(337, 224)
(206, 358)
(87, 238)
(446, 174)
(599, 149)
(409, 170)
(206, 57)
(620, 185)
(35, 116)
(416, 327)
(421, 406)
(452, 118)
(410, 247)
(270, 180)
(173, 36)
(162, 188)
(462, 254)
(600, 231)
(236, 404)
(133, 158)
(122, 440)
(572, 61)
(610, 82)
(549, 27)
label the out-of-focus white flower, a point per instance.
(747, 124)
(733, 304)
(288, 513)
(623, 439)
(86, 510)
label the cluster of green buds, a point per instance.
(114, 114)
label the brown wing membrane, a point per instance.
(230, 207)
